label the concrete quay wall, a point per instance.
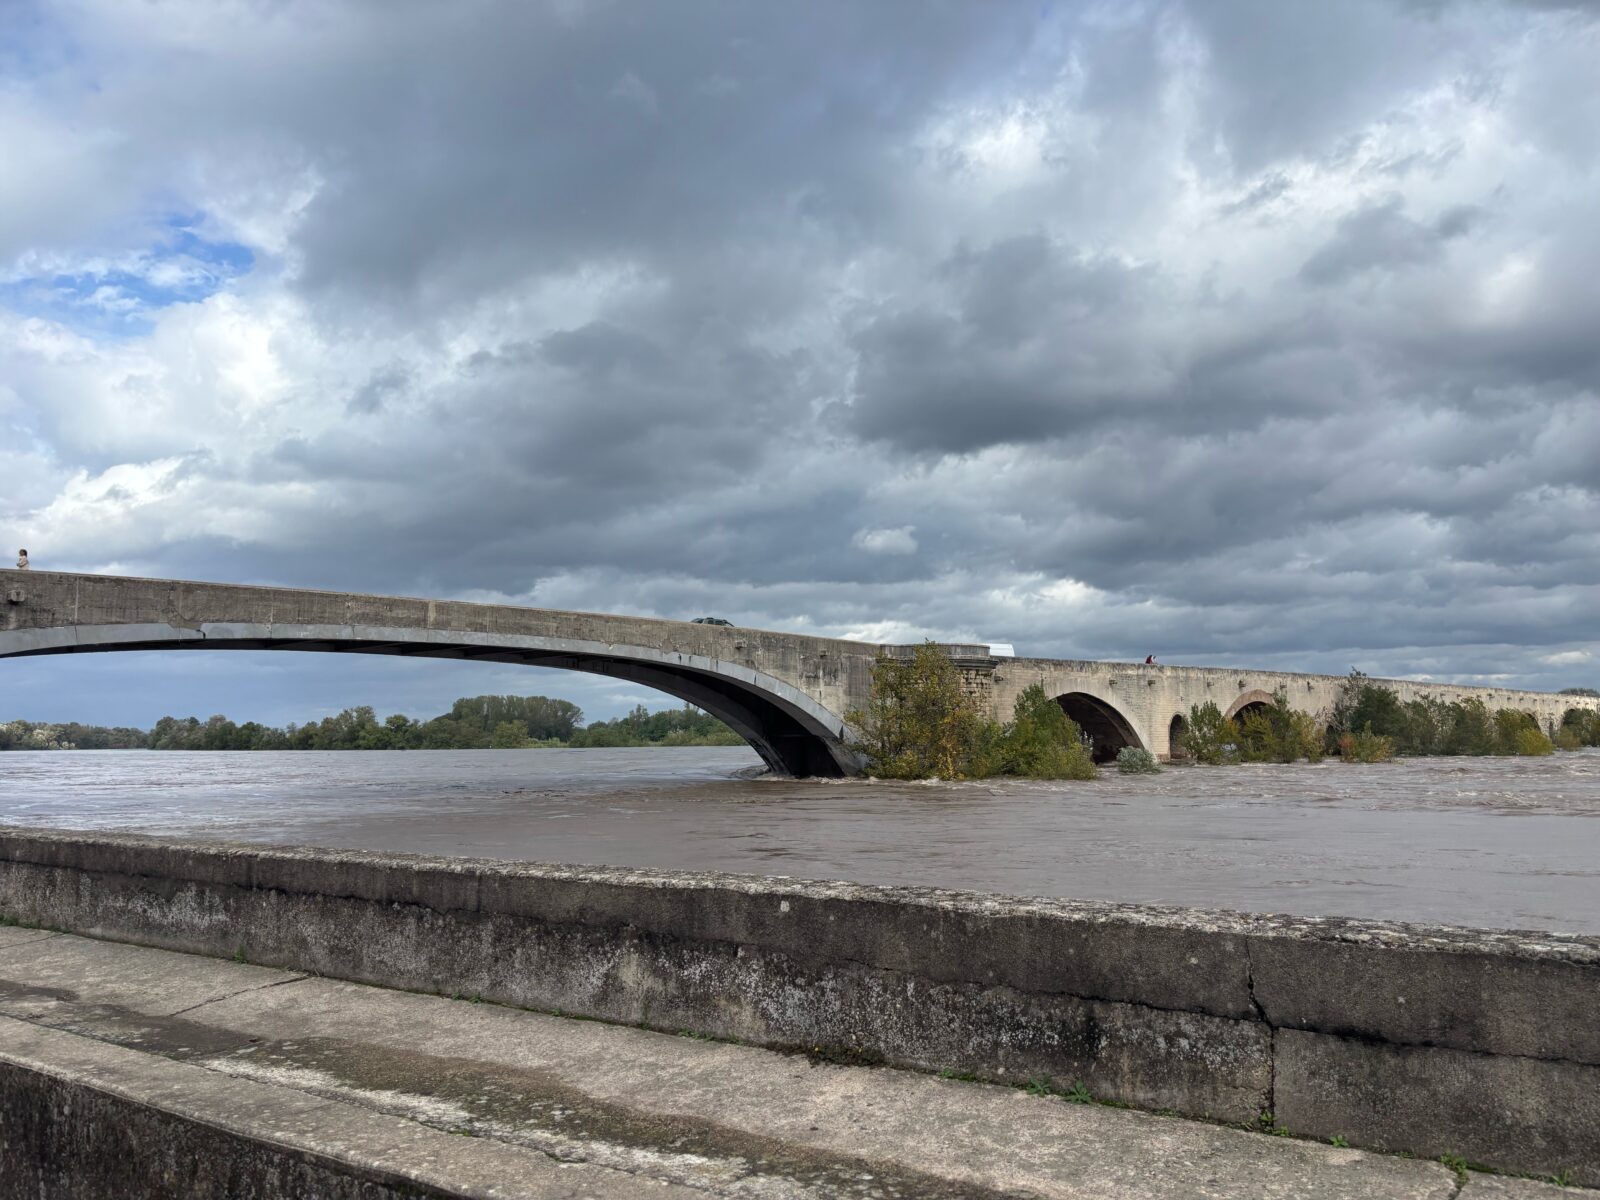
(1430, 1040)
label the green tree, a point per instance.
(1042, 742)
(1275, 732)
(1364, 706)
(919, 723)
(509, 735)
(1208, 737)
(539, 717)
(1472, 729)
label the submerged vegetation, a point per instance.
(1370, 723)
(473, 723)
(1131, 760)
(921, 724)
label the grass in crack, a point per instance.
(1457, 1164)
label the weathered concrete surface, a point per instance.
(83, 1119)
(1519, 1114)
(311, 1056)
(1502, 1187)
(787, 694)
(1210, 1014)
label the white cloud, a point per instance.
(886, 541)
(1566, 658)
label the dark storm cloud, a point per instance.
(1223, 329)
(1038, 340)
(1381, 238)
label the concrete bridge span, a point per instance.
(786, 694)
(781, 692)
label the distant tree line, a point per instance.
(473, 723)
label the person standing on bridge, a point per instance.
(22, 560)
(1149, 660)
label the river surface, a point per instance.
(1501, 843)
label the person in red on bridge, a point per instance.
(1149, 660)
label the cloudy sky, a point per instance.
(1250, 332)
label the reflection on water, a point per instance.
(1492, 842)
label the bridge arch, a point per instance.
(792, 732)
(1108, 729)
(1251, 700)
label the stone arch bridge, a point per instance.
(786, 694)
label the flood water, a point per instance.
(1502, 843)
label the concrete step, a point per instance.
(127, 1071)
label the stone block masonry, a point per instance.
(1429, 1040)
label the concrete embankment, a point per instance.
(129, 1072)
(1432, 1041)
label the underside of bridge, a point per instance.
(1107, 728)
(789, 740)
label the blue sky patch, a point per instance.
(119, 294)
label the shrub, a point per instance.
(1584, 724)
(1364, 746)
(1131, 760)
(1509, 727)
(1567, 739)
(1042, 742)
(1277, 733)
(1533, 741)
(1208, 736)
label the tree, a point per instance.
(1209, 737)
(919, 723)
(1276, 732)
(509, 735)
(1042, 742)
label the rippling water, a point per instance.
(1508, 843)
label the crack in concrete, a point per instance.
(1272, 1030)
(260, 987)
(44, 936)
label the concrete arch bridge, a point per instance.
(786, 694)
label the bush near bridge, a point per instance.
(1271, 732)
(1428, 725)
(921, 724)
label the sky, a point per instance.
(1238, 332)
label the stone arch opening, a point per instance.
(1250, 702)
(1176, 751)
(1108, 730)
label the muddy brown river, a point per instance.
(1505, 843)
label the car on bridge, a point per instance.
(711, 621)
